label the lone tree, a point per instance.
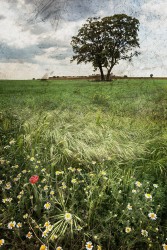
(104, 42)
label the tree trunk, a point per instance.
(102, 74)
(108, 75)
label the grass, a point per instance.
(118, 127)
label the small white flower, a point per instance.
(12, 142)
(164, 246)
(128, 229)
(11, 224)
(59, 248)
(89, 245)
(152, 216)
(138, 184)
(8, 185)
(19, 224)
(148, 196)
(47, 205)
(29, 235)
(68, 216)
(144, 233)
(2, 241)
(129, 207)
(45, 233)
(25, 216)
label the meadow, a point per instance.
(83, 164)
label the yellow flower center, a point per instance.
(165, 247)
(43, 247)
(1, 242)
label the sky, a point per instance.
(36, 35)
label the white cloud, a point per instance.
(11, 32)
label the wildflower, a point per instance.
(19, 224)
(164, 246)
(68, 216)
(1, 181)
(16, 179)
(8, 185)
(25, 216)
(53, 237)
(47, 205)
(33, 179)
(59, 248)
(71, 169)
(11, 224)
(134, 191)
(99, 247)
(44, 180)
(64, 185)
(49, 228)
(144, 233)
(128, 229)
(103, 172)
(47, 224)
(152, 216)
(89, 245)
(32, 159)
(29, 235)
(16, 166)
(52, 192)
(45, 233)
(24, 171)
(1, 242)
(155, 185)
(129, 207)
(79, 170)
(79, 228)
(45, 188)
(59, 172)
(138, 184)
(43, 247)
(19, 196)
(12, 142)
(148, 196)
(74, 181)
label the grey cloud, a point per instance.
(62, 55)
(9, 53)
(35, 29)
(70, 10)
(2, 17)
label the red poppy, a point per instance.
(33, 179)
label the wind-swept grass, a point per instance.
(104, 135)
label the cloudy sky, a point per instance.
(36, 35)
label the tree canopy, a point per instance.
(105, 41)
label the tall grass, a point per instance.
(114, 132)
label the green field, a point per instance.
(90, 143)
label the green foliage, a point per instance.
(104, 42)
